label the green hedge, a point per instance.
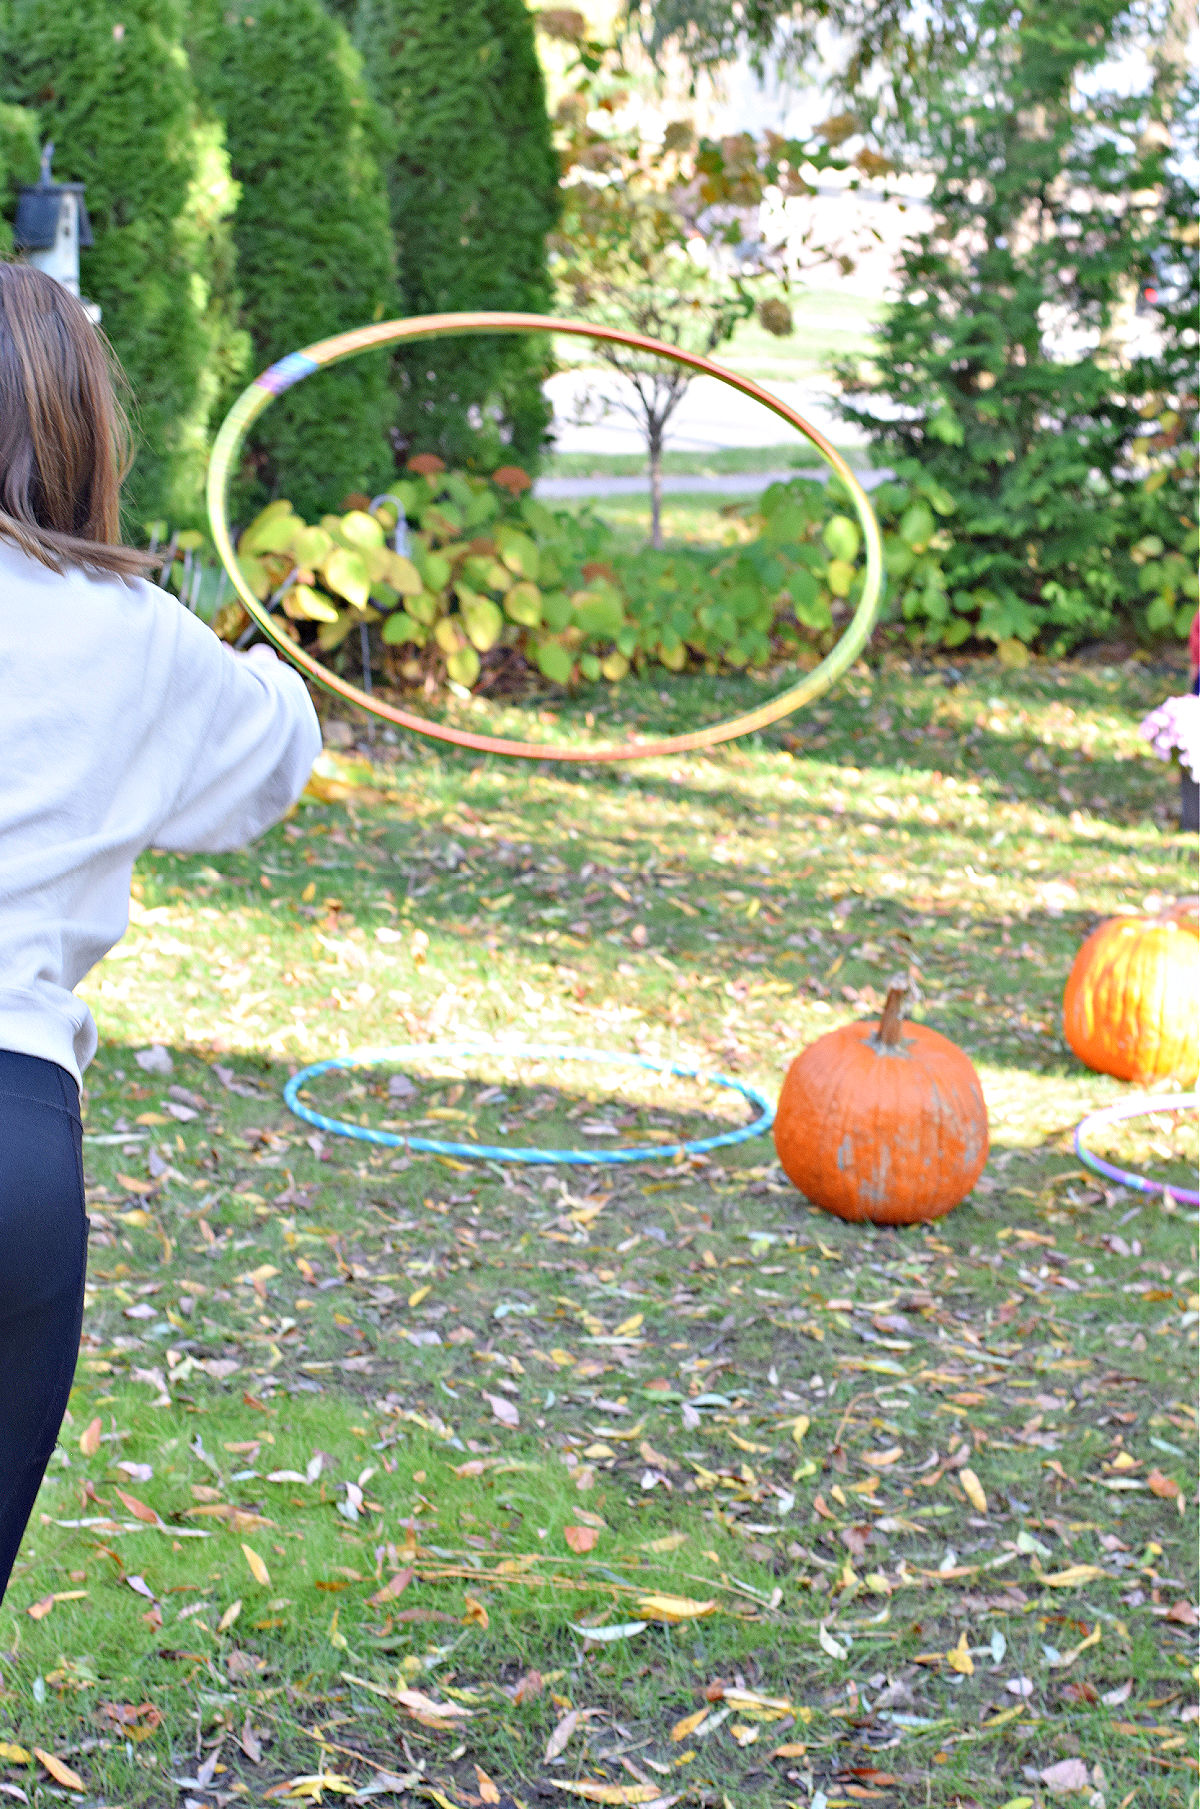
(116, 96)
(473, 182)
(19, 159)
(1004, 371)
(314, 252)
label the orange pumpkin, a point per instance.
(1132, 1003)
(883, 1122)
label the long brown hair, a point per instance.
(65, 445)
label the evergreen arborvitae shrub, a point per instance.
(314, 254)
(473, 182)
(18, 164)
(1006, 369)
(113, 90)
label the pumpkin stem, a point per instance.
(892, 1022)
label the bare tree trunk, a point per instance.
(654, 446)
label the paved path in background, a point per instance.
(711, 415)
(723, 483)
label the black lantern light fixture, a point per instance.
(52, 227)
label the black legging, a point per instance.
(43, 1256)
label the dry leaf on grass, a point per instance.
(60, 1772)
(673, 1608)
(973, 1490)
(560, 1738)
(258, 1569)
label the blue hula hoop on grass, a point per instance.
(1135, 1108)
(500, 1152)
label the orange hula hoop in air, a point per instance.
(298, 365)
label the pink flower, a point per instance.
(1173, 731)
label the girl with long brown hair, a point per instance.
(124, 724)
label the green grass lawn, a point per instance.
(380, 1466)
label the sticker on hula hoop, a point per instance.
(298, 365)
(505, 1152)
(1135, 1108)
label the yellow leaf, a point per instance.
(794, 1749)
(418, 1295)
(39, 1610)
(959, 1659)
(309, 892)
(487, 1789)
(629, 1327)
(16, 1755)
(690, 1723)
(258, 1569)
(1071, 1577)
(476, 1614)
(758, 1708)
(62, 1774)
(800, 1426)
(131, 1184)
(593, 1791)
(668, 1542)
(881, 1460)
(671, 1608)
(89, 1438)
(230, 1616)
(973, 1490)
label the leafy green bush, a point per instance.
(314, 253)
(473, 182)
(116, 96)
(1007, 371)
(494, 584)
(18, 164)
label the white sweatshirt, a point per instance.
(124, 724)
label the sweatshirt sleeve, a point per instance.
(253, 758)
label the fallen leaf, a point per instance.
(560, 1738)
(135, 1721)
(89, 1438)
(581, 1539)
(392, 1588)
(16, 1755)
(829, 1644)
(258, 1569)
(487, 1789)
(882, 1460)
(793, 1749)
(230, 1616)
(1064, 1777)
(673, 1608)
(1182, 1613)
(62, 1774)
(476, 1614)
(800, 1426)
(959, 1658)
(138, 1509)
(593, 1791)
(1165, 1487)
(504, 1410)
(973, 1490)
(682, 1730)
(39, 1610)
(619, 1630)
(758, 1708)
(1071, 1577)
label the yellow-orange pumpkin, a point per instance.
(1132, 1003)
(883, 1122)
